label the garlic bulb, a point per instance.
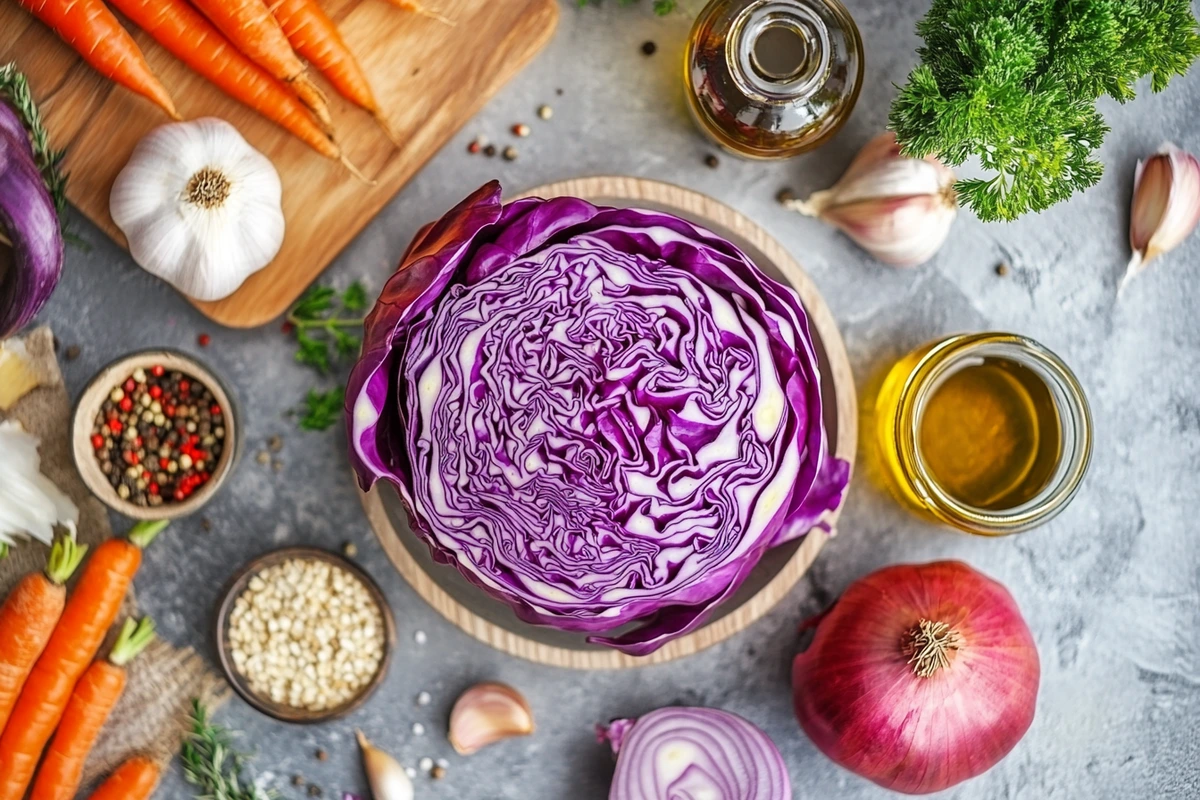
(30, 504)
(199, 206)
(896, 208)
(1166, 205)
(487, 713)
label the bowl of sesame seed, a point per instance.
(304, 635)
(155, 434)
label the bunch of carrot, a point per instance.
(49, 685)
(250, 49)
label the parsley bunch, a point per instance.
(1015, 83)
(323, 319)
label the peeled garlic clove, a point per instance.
(1166, 205)
(896, 208)
(487, 713)
(388, 779)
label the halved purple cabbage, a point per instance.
(598, 415)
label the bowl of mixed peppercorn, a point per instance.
(155, 435)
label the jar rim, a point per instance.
(1070, 403)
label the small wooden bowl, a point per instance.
(93, 398)
(280, 711)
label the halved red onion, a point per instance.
(679, 753)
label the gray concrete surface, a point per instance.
(1111, 588)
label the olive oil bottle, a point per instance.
(990, 433)
(773, 78)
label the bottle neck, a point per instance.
(778, 49)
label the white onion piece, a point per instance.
(30, 505)
(695, 754)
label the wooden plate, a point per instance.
(237, 585)
(493, 622)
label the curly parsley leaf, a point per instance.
(1015, 83)
(322, 409)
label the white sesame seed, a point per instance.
(420, 638)
(443, 763)
(424, 699)
(418, 729)
(425, 764)
(410, 772)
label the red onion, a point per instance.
(919, 677)
(28, 216)
(685, 753)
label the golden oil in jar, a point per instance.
(990, 433)
(772, 78)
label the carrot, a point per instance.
(93, 32)
(133, 780)
(190, 37)
(252, 29)
(28, 617)
(315, 37)
(88, 614)
(416, 8)
(92, 701)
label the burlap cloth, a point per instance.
(152, 714)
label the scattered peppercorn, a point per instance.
(711, 161)
(297, 780)
(489, 150)
(206, 523)
(322, 755)
(438, 772)
(314, 790)
(510, 153)
(203, 339)
(558, 92)
(785, 196)
(474, 146)
(521, 130)
(157, 436)
(72, 352)
(1002, 269)
(263, 457)
(545, 112)
(350, 549)
(275, 444)
(277, 465)
(649, 48)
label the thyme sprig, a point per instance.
(14, 88)
(211, 763)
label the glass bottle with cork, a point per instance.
(773, 78)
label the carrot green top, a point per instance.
(143, 533)
(65, 557)
(134, 638)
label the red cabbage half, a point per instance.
(599, 416)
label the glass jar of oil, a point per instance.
(989, 433)
(773, 78)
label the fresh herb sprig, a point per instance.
(14, 88)
(322, 409)
(211, 763)
(661, 7)
(1015, 83)
(322, 318)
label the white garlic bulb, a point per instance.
(199, 206)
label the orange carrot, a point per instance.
(416, 8)
(315, 37)
(92, 701)
(252, 29)
(28, 617)
(93, 32)
(191, 38)
(88, 614)
(133, 780)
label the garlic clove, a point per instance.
(896, 208)
(388, 779)
(487, 713)
(1165, 208)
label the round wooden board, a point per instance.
(489, 620)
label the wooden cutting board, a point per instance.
(429, 77)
